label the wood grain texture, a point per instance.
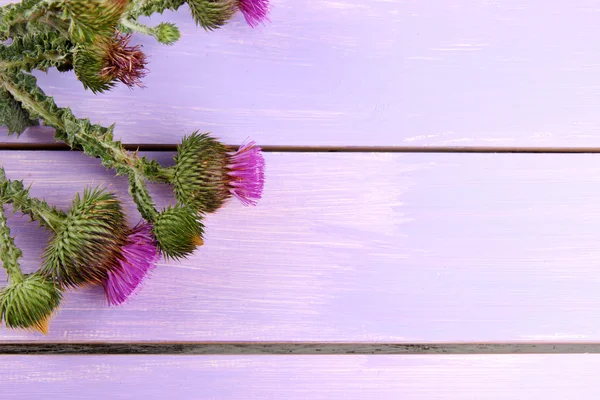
(380, 73)
(302, 377)
(410, 248)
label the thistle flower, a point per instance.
(255, 11)
(29, 302)
(206, 173)
(138, 258)
(108, 60)
(87, 241)
(124, 62)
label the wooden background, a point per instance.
(460, 207)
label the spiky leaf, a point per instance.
(36, 50)
(178, 231)
(13, 115)
(30, 303)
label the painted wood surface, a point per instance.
(359, 247)
(380, 73)
(302, 377)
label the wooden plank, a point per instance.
(382, 73)
(358, 247)
(301, 377)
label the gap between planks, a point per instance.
(296, 348)
(330, 149)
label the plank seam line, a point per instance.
(328, 149)
(293, 348)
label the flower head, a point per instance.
(123, 62)
(206, 173)
(255, 11)
(138, 258)
(88, 240)
(29, 303)
(106, 61)
(178, 231)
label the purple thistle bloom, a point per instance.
(255, 11)
(139, 256)
(247, 174)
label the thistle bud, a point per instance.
(167, 33)
(206, 173)
(29, 303)
(87, 243)
(254, 11)
(138, 258)
(178, 231)
(99, 66)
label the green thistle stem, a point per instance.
(13, 192)
(95, 140)
(137, 27)
(9, 252)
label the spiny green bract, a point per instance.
(30, 303)
(92, 18)
(212, 14)
(87, 64)
(200, 173)
(167, 33)
(178, 231)
(88, 243)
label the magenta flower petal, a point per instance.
(139, 257)
(247, 174)
(255, 11)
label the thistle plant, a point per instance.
(92, 243)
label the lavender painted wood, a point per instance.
(302, 377)
(359, 247)
(385, 73)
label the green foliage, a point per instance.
(211, 14)
(200, 173)
(29, 303)
(87, 245)
(95, 140)
(149, 7)
(28, 16)
(37, 51)
(13, 115)
(178, 231)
